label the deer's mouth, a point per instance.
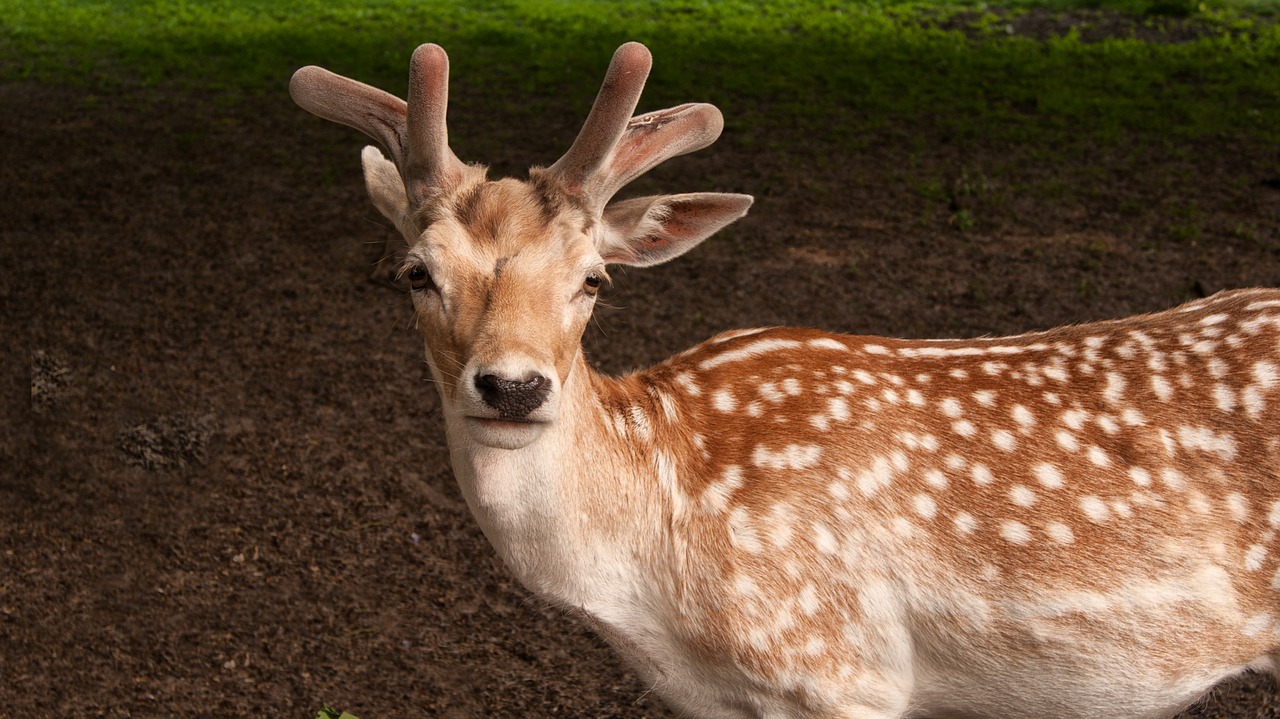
(501, 422)
(505, 433)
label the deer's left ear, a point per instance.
(386, 189)
(650, 230)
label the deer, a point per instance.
(1079, 522)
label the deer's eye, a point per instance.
(591, 285)
(419, 279)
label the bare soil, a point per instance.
(228, 494)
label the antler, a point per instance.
(613, 148)
(414, 134)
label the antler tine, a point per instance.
(656, 137)
(413, 133)
(614, 104)
(378, 114)
(612, 149)
(431, 162)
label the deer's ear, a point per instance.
(385, 186)
(649, 230)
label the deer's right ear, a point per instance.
(385, 186)
(650, 230)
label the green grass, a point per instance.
(885, 61)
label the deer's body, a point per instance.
(1075, 523)
(787, 523)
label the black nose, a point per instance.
(514, 400)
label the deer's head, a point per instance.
(504, 273)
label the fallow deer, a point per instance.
(1080, 522)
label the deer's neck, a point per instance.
(565, 511)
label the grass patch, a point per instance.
(955, 64)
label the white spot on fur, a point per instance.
(1206, 440)
(965, 523)
(755, 349)
(1075, 419)
(1224, 398)
(1265, 374)
(670, 411)
(1108, 423)
(685, 380)
(981, 474)
(1004, 439)
(808, 600)
(793, 456)
(925, 506)
(838, 408)
(1059, 532)
(1066, 440)
(839, 488)
(951, 407)
(1098, 456)
(769, 391)
(1257, 624)
(1140, 476)
(1217, 368)
(823, 539)
(1057, 373)
(1251, 398)
(879, 475)
(985, 397)
(935, 479)
(1095, 509)
(1022, 496)
(1023, 416)
(1238, 506)
(1173, 478)
(828, 343)
(1113, 392)
(1048, 475)
(964, 428)
(875, 349)
(724, 401)
(1132, 417)
(1161, 387)
(1253, 558)
(1015, 532)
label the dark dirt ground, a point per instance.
(228, 494)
